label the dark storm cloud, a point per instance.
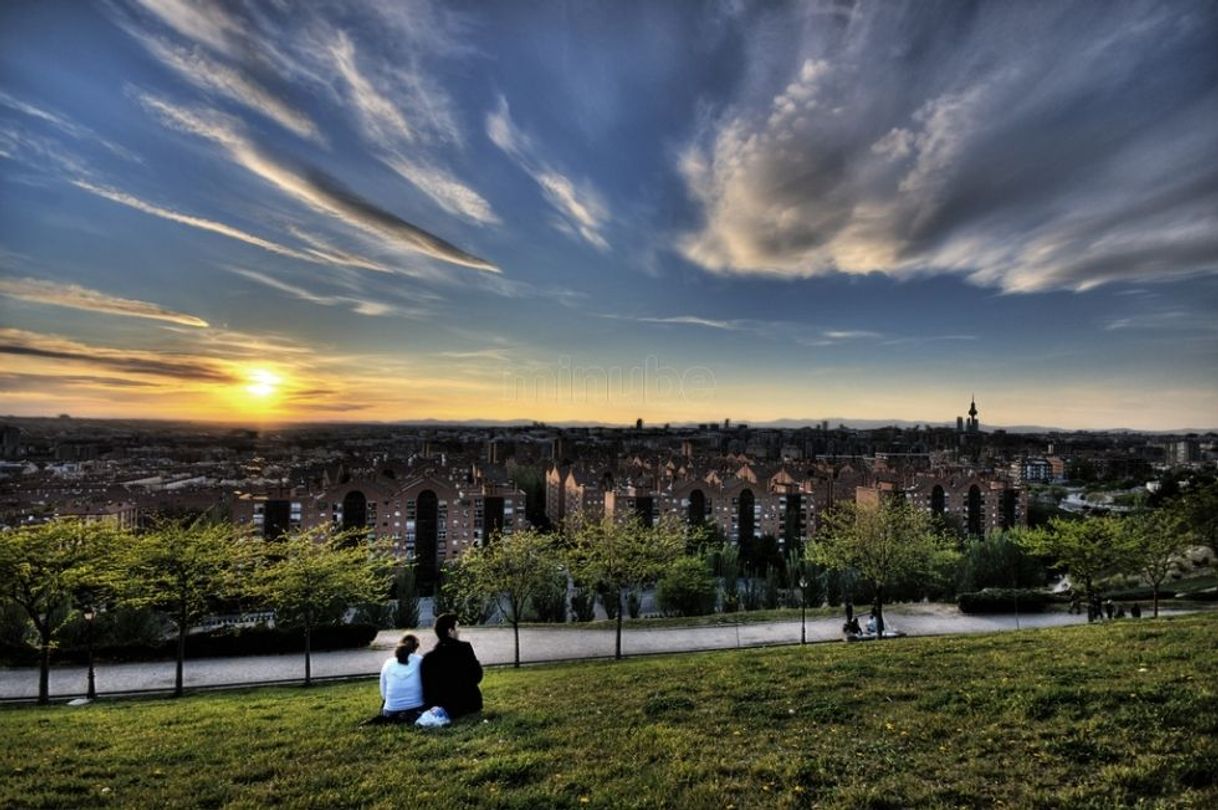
(1024, 146)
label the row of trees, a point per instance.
(56, 571)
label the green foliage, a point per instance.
(458, 594)
(49, 569)
(884, 543)
(583, 604)
(510, 570)
(687, 588)
(1005, 600)
(314, 576)
(1120, 716)
(549, 602)
(998, 561)
(634, 603)
(1088, 549)
(616, 556)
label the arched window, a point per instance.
(746, 525)
(355, 510)
(697, 508)
(426, 531)
(974, 510)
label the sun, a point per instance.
(262, 383)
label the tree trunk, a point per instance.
(516, 636)
(879, 611)
(177, 678)
(44, 664)
(617, 652)
(308, 652)
(1156, 598)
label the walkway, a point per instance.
(494, 646)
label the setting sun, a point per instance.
(263, 383)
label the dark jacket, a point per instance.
(451, 674)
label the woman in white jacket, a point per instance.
(401, 682)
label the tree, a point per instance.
(619, 555)
(43, 567)
(687, 588)
(511, 569)
(406, 595)
(1155, 540)
(883, 542)
(315, 575)
(1088, 549)
(186, 569)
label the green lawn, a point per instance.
(1089, 716)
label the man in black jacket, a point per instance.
(451, 672)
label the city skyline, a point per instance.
(593, 213)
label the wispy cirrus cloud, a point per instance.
(581, 207)
(383, 125)
(311, 187)
(74, 296)
(216, 77)
(65, 125)
(1075, 154)
(361, 306)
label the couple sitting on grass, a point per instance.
(447, 677)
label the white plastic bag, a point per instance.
(433, 718)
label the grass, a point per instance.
(1087, 716)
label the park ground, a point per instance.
(1120, 714)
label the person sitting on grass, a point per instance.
(402, 683)
(451, 671)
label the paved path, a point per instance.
(494, 646)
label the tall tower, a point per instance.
(973, 425)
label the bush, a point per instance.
(609, 600)
(686, 589)
(634, 603)
(1005, 600)
(380, 615)
(222, 643)
(583, 604)
(549, 604)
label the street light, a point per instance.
(803, 610)
(90, 614)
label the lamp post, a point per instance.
(803, 610)
(90, 614)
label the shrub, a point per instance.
(583, 604)
(686, 589)
(634, 603)
(221, 643)
(609, 600)
(549, 604)
(1005, 600)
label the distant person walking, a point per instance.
(1109, 609)
(451, 671)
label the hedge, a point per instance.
(220, 643)
(1005, 600)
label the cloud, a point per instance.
(131, 201)
(445, 190)
(159, 364)
(581, 207)
(312, 187)
(210, 75)
(77, 131)
(77, 297)
(208, 23)
(380, 117)
(693, 320)
(361, 306)
(1022, 150)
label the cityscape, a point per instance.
(709, 404)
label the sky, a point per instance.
(267, 211)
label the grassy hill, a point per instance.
(1096, 716)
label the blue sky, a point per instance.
(596, 211)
